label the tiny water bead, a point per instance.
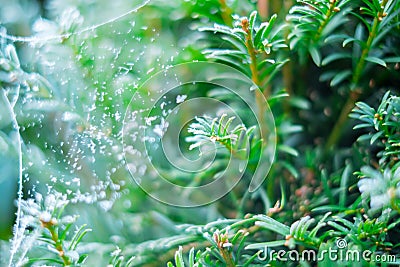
(108, 105)
(83, 148)
(160, 135)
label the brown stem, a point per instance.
(263, 8)
(252, 52)
(58, 245)
(328, 15)
(337, 129)
(226, 13)
(355, 94)
(254, 73)
(227, 257)
(361, 63)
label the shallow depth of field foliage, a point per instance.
(329, 69)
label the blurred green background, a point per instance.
(80, 64)
(71, 123)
